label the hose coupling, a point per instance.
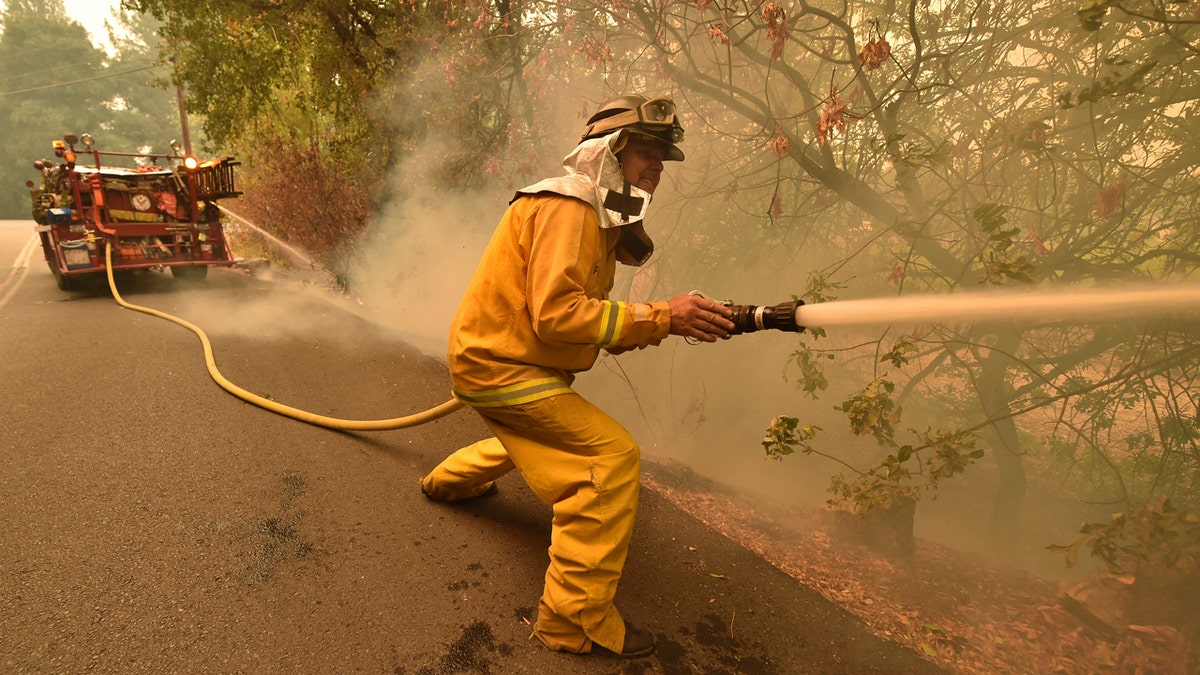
(752, 318)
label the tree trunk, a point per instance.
(995, 395)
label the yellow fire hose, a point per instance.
(287, 411)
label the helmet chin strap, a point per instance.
(622, 208)
(624, 202)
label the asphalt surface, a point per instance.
(153, 523)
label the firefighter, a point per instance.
(535, 314)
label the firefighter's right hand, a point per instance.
(699, 318)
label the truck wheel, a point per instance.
(196, 273)
(64, 282)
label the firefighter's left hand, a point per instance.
(699, 318)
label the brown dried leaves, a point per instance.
(833, 117)
(777, 28)
(716, 33)
(874, 53)
(1110, 199)
(595, 52)
(779, 144)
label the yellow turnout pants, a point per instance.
(585, 466)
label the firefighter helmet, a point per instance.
(652, 117)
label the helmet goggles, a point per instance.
(656, 115)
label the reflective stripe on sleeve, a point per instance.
(611, 323)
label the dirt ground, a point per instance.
(967, 616)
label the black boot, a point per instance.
(638, 643)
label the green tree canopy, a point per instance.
(56, 81)
(323, 99)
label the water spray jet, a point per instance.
(291, 250)
(1045, 306)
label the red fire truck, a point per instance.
(155, 211)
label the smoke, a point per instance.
(420, 255)
(422, 249)
(288, 312)
(707, 406)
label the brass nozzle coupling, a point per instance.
(751, 318)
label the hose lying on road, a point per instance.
(287, 411)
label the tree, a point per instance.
(947, 146)
(317, 82)
(146, 113)
(40, 49)
(58, 82)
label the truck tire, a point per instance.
(195, 273)
(64, 282)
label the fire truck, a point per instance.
(155, 211)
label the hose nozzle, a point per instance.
(751, 318)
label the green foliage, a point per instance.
(1000, 267)
(349, 90)
(898, 355)
(873, 410)
(1157, 536)
(785, 435)
(879, 488)
(812, 377)
(953, 452)
(821, 286)
(908, 470)
(56, 81)
(243, 63)
(905, 473)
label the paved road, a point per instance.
(152, 523)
